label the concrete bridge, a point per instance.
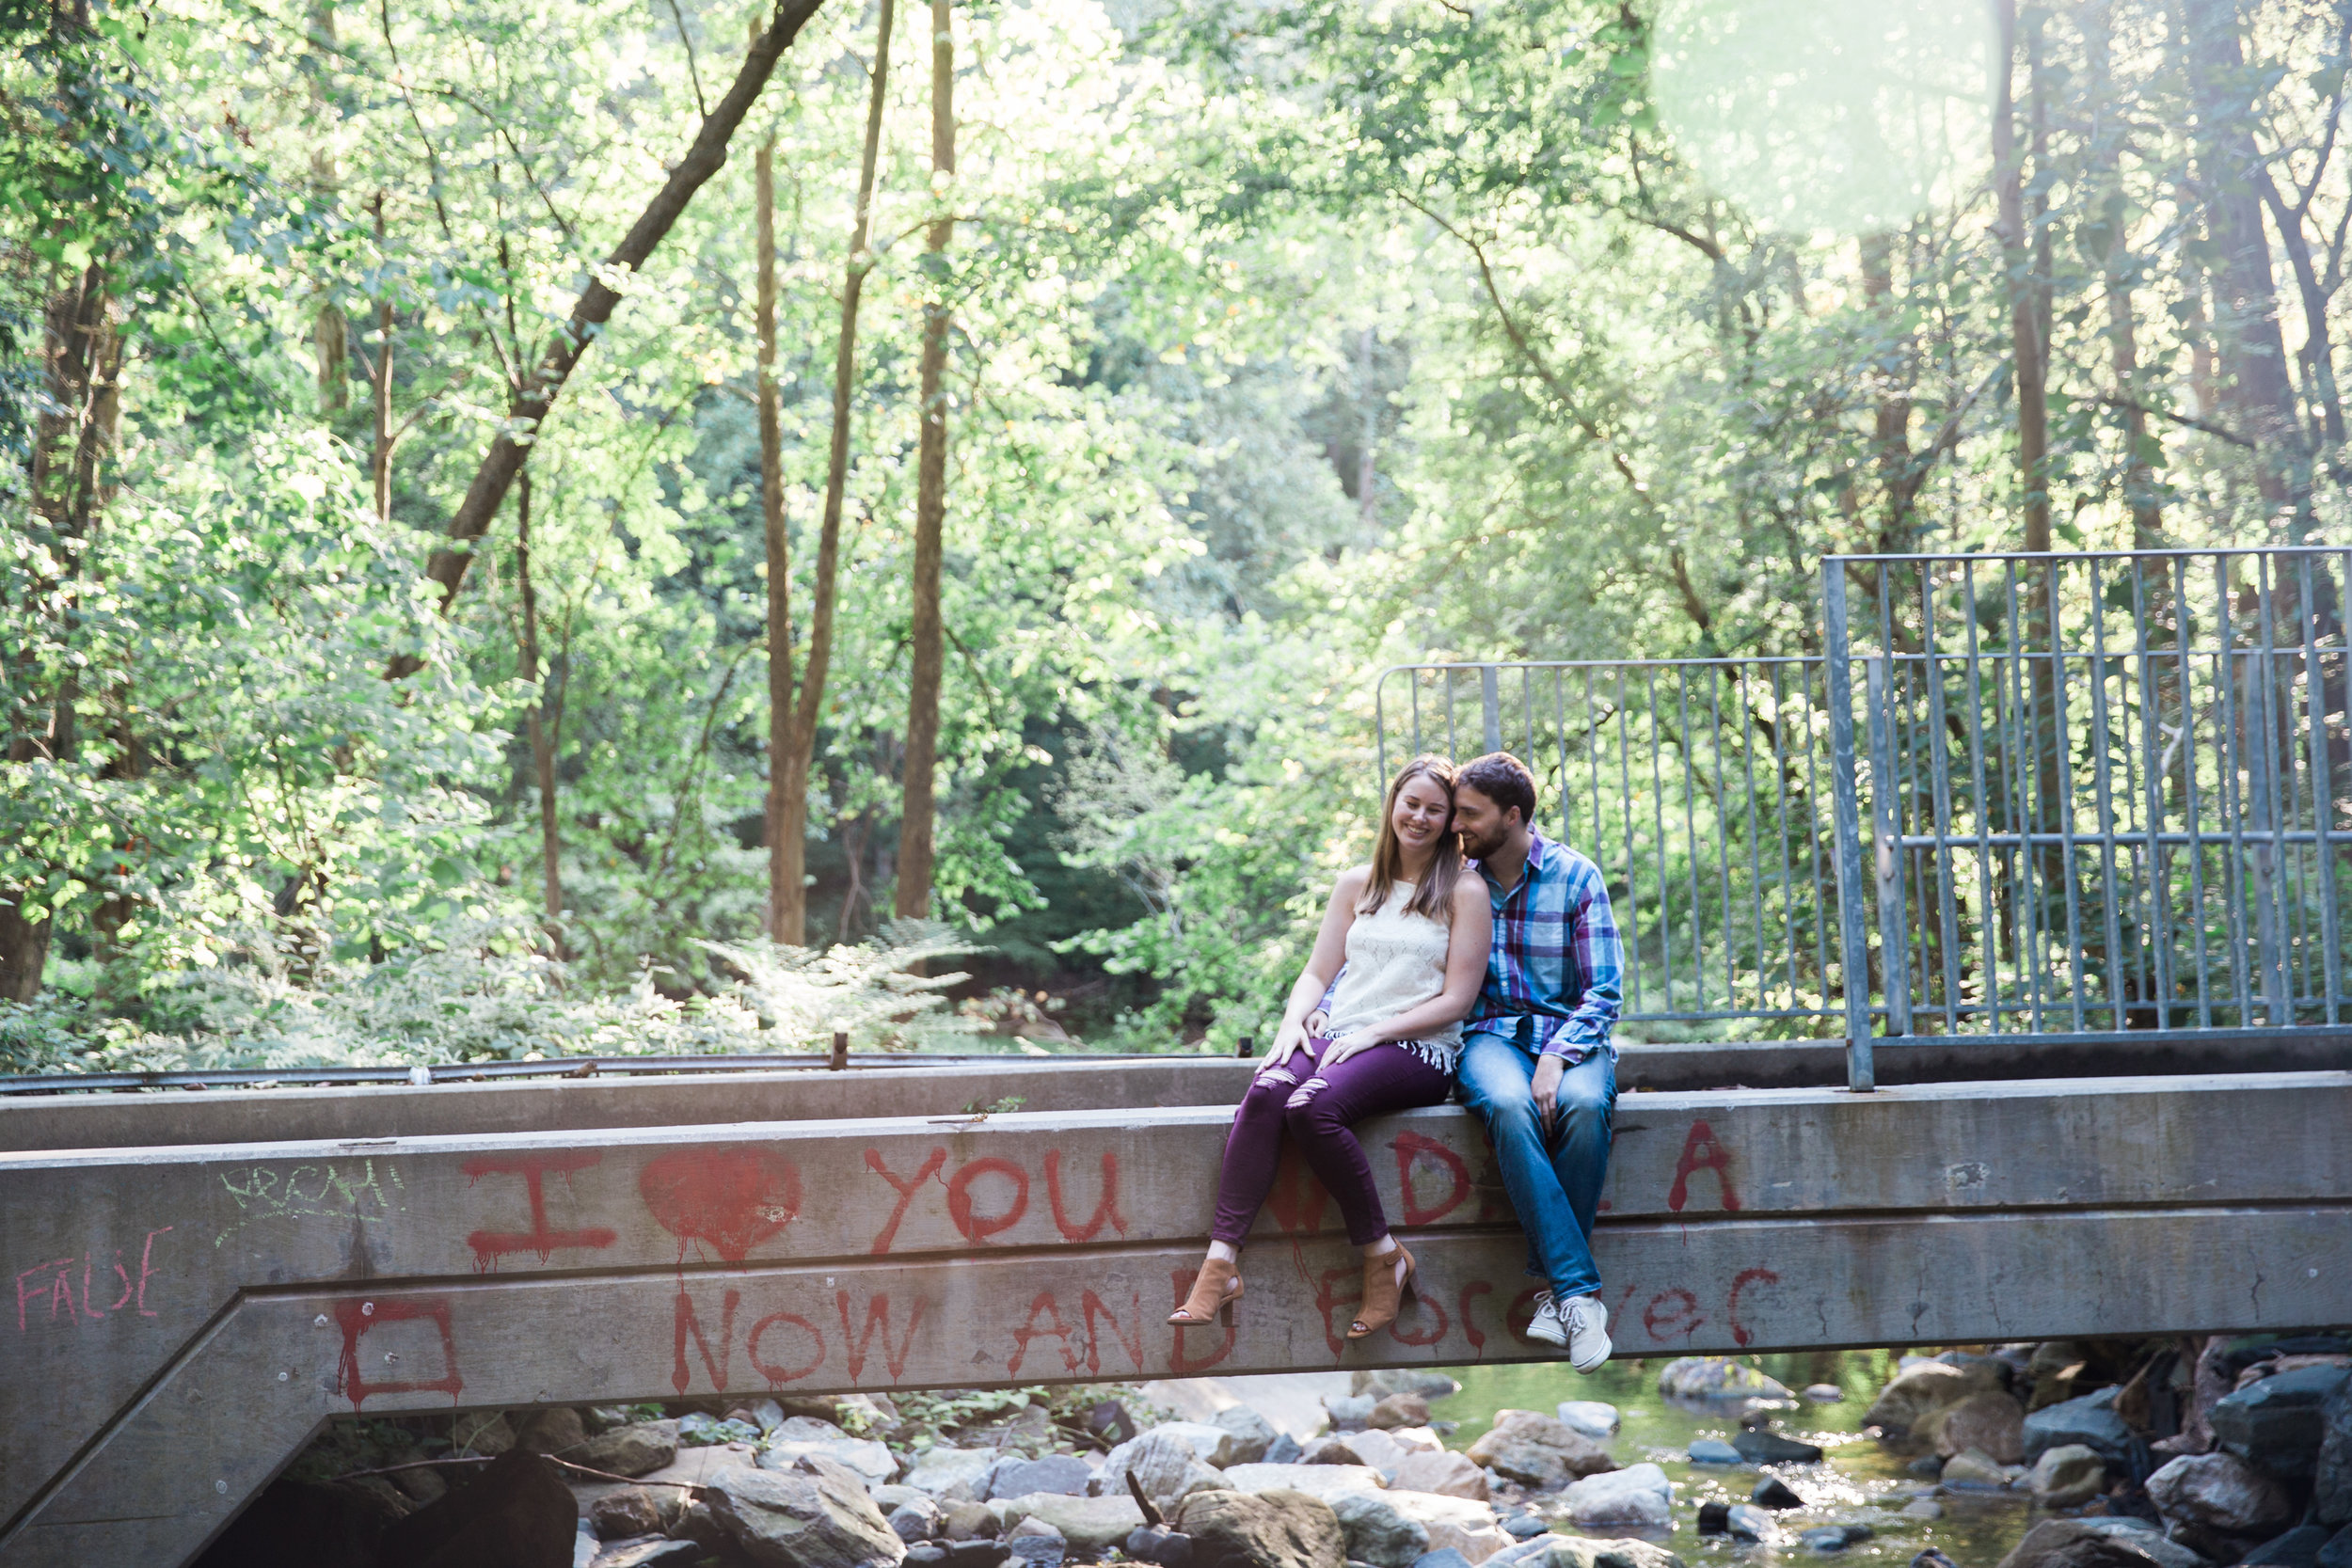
(200, 1280)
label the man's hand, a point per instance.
(1549, 1069)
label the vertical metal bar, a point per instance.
(1417, 748)
(1625, 805)
(2102, 796)
(1743, 694)
(2323, 785)
(1490, 704)
(1940, 786)
(1658, 828)
(2270, 882)
(2188, 774)
(2062, 743)
(1886, 843)
(1818, 700)
(1380, 723)
(2152, 753)
(1780, 815)
(1690, 848)
(1861, 1076)
(2024, 750)
(1722, 835)
(2228, 785)
(1988, 919)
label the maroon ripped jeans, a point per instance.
(1318, 1108)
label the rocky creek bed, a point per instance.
(2070, 1454)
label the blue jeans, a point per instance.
(1554, 1180)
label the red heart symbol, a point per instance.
(732, 1199)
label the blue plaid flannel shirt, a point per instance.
(1555, 977)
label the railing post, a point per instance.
(1855, 952)
(1490, 703)
(1886, 846)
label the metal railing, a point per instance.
(2020, 797)
(1698, 786)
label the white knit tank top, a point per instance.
(1395, 962)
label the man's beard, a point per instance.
(1482, 848)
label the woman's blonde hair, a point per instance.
(1434, 894)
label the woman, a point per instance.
(1412, 932)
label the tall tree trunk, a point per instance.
(791, 915)
(330, 332)
(784, 860)
(542, 738)
(1890, 420)
(382, 459)
(2026, 346)
(2319, 352)
(2117, 269)
(528, 407)
(919, 817)
(2245, 305)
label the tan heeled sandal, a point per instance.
(1216, 1287)
(1384, 1292)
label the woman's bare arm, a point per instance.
(1330, 951)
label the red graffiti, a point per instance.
(1028, 1331)
(1470, 1331)
(877, 1313)
(1494, 1203)
(1335, 1335)
(776, 1375)
(729, 1199)
(977, 1226)
(1417, 1305)
(1746, 1277)
(1411, 1148)
(1090, 1307)
(491, 1245)
(685, 1324)
(905, 1190)
(1520, 1314)
(359, 1316)
(57, 1289)
(1177, 1362)
(1680, 1317)
(1297, 1199)
(1701, 1152)
(1106, 1210)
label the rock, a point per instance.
(2091, 1422)
(1522, 1525)
(1448, 1557)
(1916, 1392)
(1417, 1439)
(801, 1436)
(1577, 1551)
(1253, 1434)
(1829, 1538)
(1714, 1451)
(1716, 1377)
(1933, 1559)
(1537, 1451)
(654, 1552)
(1398, 1410)
(1166, 1463)
(1771, 1448)
(1638, 1495)
(1283, 1450)
(1370, 1447)
(2332, 1491)
(2298, 1549)
(812, 1516)
(1390, 1522)
(1268, 1530)
(516, 1511)
(1150, 1543)
(2338, 1552)
(1015, 1476)
(481, 1431)
(1774, 1493)
(702, 1527)
(925, 1554)
(635, 1450)
(1715, 1518)
(1987, 1421)
(1111, 1422)
(554, 1429)
(1592, 1418)
(1974, 1471)
(626, 1512)
(1747, 1522)
(2219, 1505)
(1036, 1542)
(936, 1469)
(969, 1521)
(978, 1553)
(1923, 1508)
(1315, 1480)
(296, 1524)
(1823, 1393)
(1091, 1525)
(1444, 1474)
(2276, 1423)
(1349, 1412)
(1404, 1380)
(2098, 1543)
(697, 1429)
(920, 1518)
(2067, 1476)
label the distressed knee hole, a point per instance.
(1272, 1076)
(1306, 1094)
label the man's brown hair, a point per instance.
(1502, 779)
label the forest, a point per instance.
(544, 527)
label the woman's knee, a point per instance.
(1309, 1112)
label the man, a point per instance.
(1537, 1065)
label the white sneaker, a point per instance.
(1586, 1321)
(1545, 1327)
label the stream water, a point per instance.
(1858, 1482)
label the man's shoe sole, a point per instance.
(1557, 1338)
(1607, 1346)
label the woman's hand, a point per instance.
(1290, 1039)
(1352, 1043)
